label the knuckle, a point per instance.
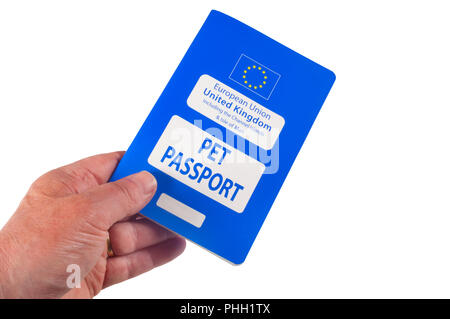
(54, 183)
(122, 269)
(115, 240)
(79, 177)
(127, 269)
(85, 210)
(41, 182)
(130, 191)
(118, 242)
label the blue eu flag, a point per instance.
(254, 76)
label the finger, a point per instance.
(79, 176)
(109, 203)
(125, 267)
(130, 236)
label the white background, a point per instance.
(365, 211)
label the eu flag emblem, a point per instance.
(254, 76)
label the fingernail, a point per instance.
(147, 181)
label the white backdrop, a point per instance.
(365, 211)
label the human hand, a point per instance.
(65, 219)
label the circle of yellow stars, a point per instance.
(250, 68)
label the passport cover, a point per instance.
(224, 133)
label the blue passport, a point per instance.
(224, 133)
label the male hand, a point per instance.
(66, 218)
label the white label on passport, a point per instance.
(206, 164)
(236, 112)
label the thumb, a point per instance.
(114, 201)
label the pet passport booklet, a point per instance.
(224, 133)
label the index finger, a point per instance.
(79, 176)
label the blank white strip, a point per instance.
(180, 210)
